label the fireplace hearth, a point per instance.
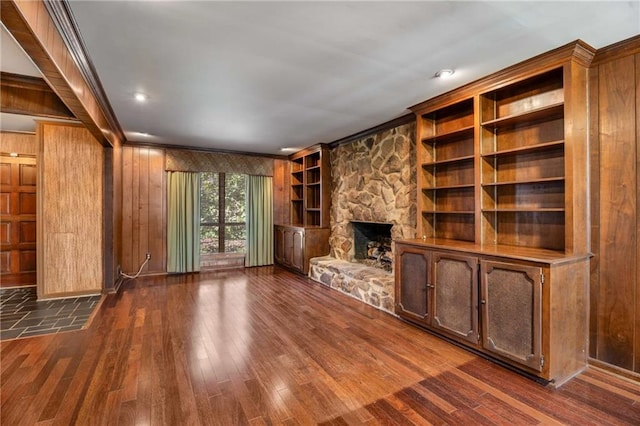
(372, 244)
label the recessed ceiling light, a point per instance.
(144, 134)
(446, 73)
(140, 97)
(287, 149)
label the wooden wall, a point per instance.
(281, 211)
(144, 218)
(22, 143)
(615, 223)
(70, 211)
(144, 207)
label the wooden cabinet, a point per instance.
(439, 290)
(295, 245)
(308, 233)
(527, 309)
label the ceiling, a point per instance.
(261, 76)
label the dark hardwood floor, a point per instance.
(264, 346)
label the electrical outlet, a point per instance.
(118, 270)
(148, 256)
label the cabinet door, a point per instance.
(297, 252)
(455, 295)
(512, 312)
(412, 274)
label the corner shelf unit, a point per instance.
(310, 187)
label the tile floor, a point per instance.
(21, 315)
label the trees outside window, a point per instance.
(222, 213)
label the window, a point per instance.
(222, 213)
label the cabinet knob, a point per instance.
(483, 302)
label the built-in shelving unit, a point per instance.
(501, 259)
(310, 187)
(447, 172)
(523, 163)
(307, 235)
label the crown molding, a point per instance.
(65, 23)
(388, 125)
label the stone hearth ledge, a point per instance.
(371, 285)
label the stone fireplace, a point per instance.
(372, 244)
(373, 180)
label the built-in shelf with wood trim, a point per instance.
(308, 233)
(501, 259)
(523, 162)
(447, 172)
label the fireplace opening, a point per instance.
(372, 244)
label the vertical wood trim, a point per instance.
(576, 158)
(107, 219)
(135, 213)
(156, 211)
(127, 209)
(594, 189)
(636, 354)
(618, 210)
(143, 208)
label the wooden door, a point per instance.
(412, 275)
(18, 221)
(455, 295)
(512, 312)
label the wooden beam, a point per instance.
(33, 27)
(26, 95)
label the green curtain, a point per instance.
(259, 220)
(183, 222)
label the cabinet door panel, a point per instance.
(411, 282)
(288, 247)
(512, 312)
(297, 255)
(455, 295)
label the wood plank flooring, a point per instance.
(263, 346)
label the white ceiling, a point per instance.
(259, 76)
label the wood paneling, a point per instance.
(20, 94)
(31, 25)
(281, 186)
(70, 209)
(144, 219)
(615, 226)
(22, 143)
